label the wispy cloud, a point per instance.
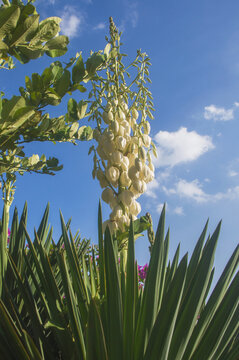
(152, 188)
(193, 190)
(100, 26)
(159, 208)
(133, 14)
(215, 113)
(181, 146)
(232, 173)
(178, 211)
(72, 21)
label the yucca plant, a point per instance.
(61, 302)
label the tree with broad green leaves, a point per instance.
(23, 37)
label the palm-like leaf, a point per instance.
(59, 303)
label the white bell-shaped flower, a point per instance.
(133, 173)
(116, 213)
(124, 179)
(113, 226)
(125, 163)
(116, 157)
(107, 195)
(135, 208)
(120, 143)
(112, 174)
(139, 186)
(126, 197)
(108, 147)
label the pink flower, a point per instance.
(8, 236)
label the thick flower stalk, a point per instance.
(122, 160)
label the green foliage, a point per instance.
(61, 302)
(24, 37)
(22, 118)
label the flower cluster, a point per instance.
(126, 167)
(142, 273)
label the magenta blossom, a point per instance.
(8, 235)
(142, 272)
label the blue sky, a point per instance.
(194, 53)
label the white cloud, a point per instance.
(193, 191)
(134, 15)
(178, 210)
(151, 187)
(180, 146)
(236, 103)
(71, 21)
(215, 113)
(230, 194)
(100, 26)
(131, 16)
(159, 208)
(232, 173)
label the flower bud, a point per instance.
(110, 116)
(126, 126)
(135, 114)
(124, 107)
(146, 126)
(151, 166)
(138, 164)
(105, 117)
(142, 153)
(120, 116)
(146, 140)
(114, 126)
